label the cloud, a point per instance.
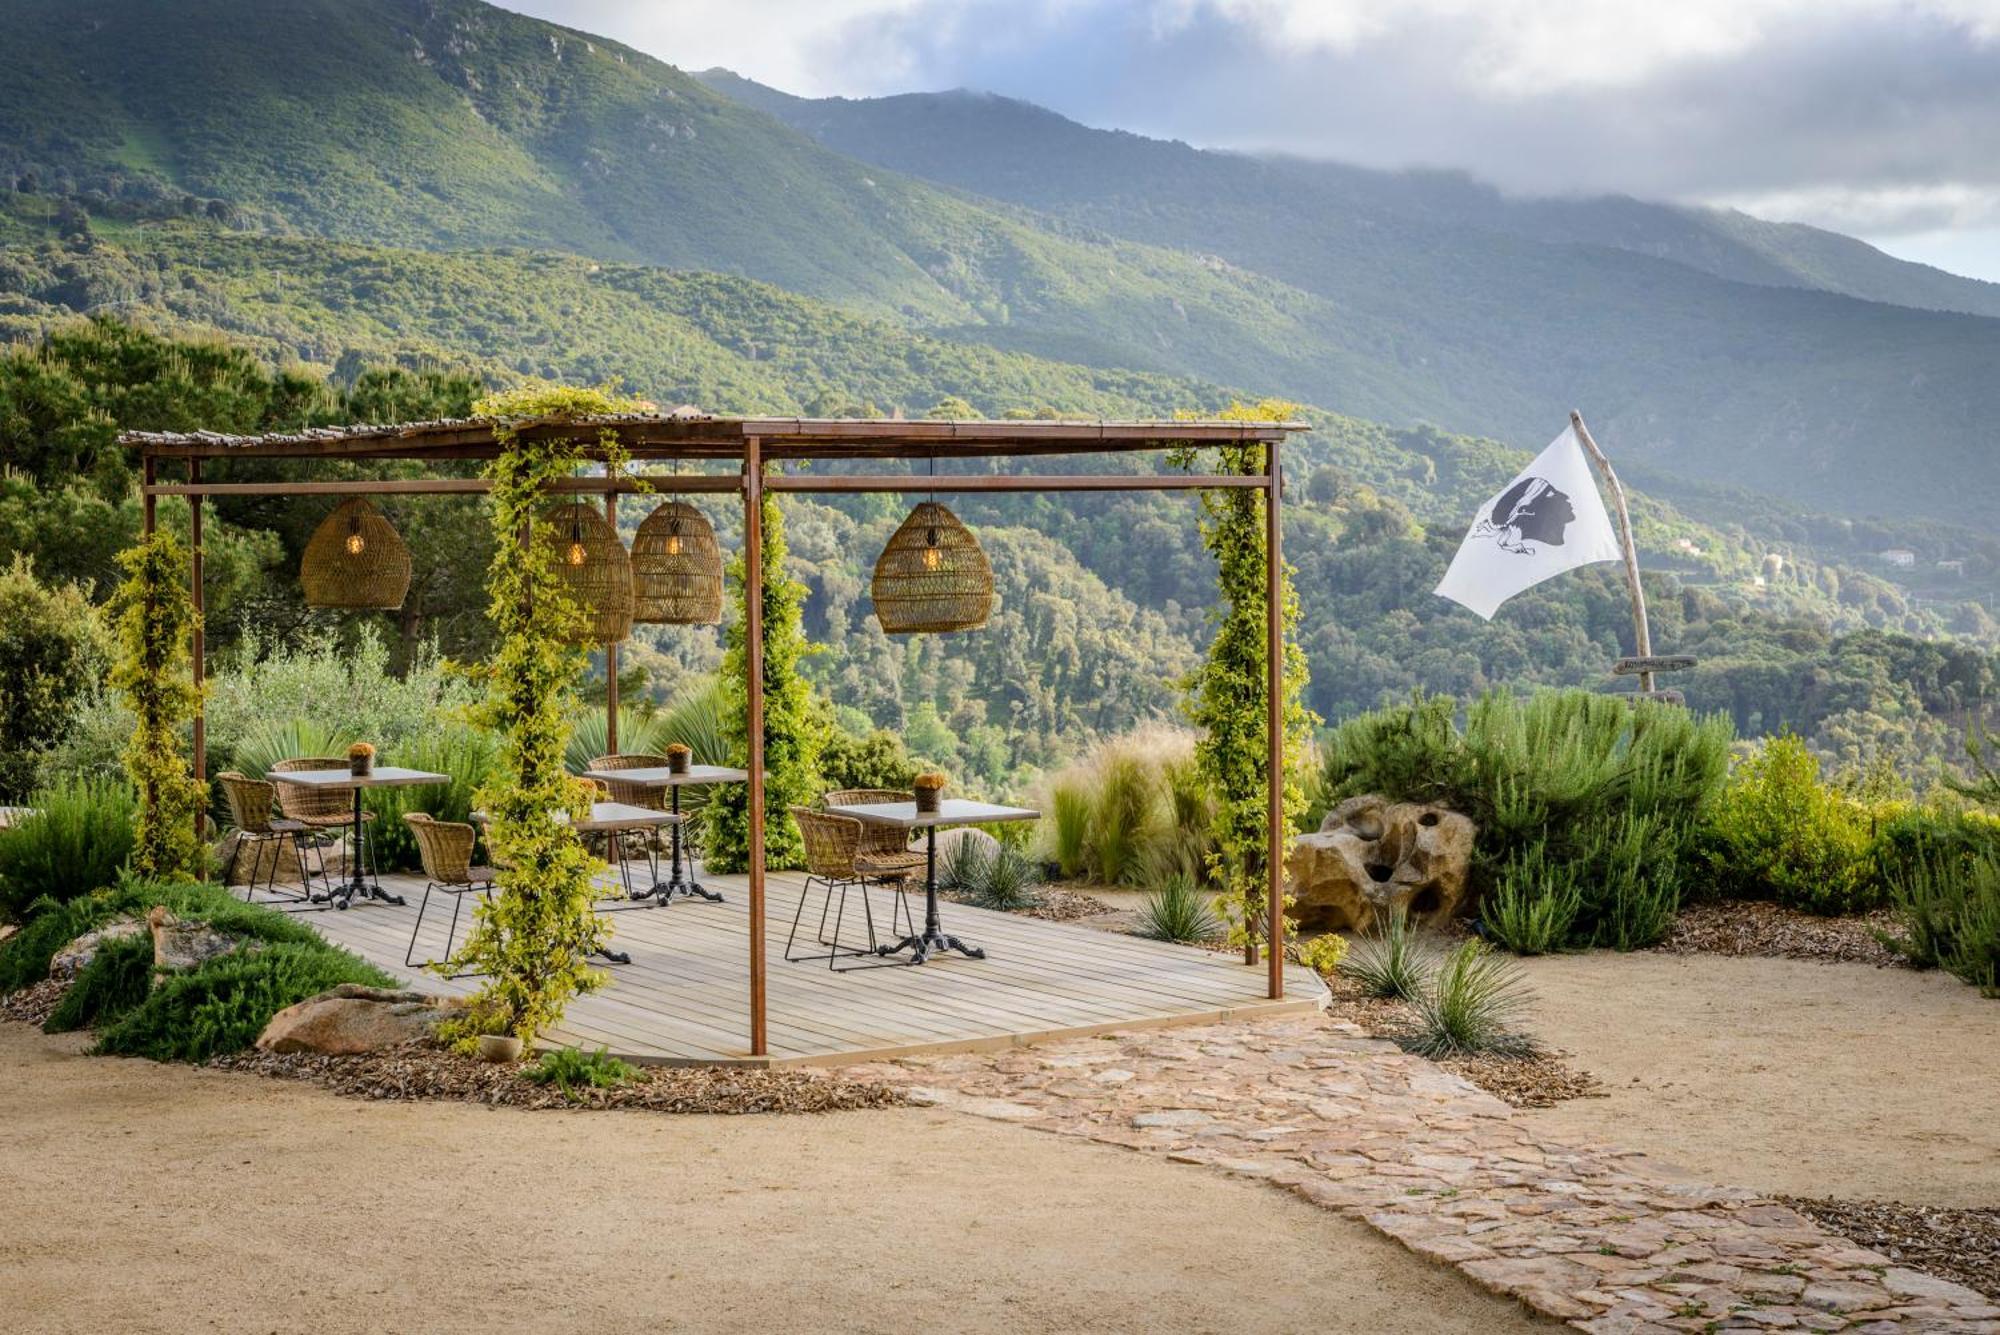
(1873, 115)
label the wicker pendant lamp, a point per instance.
(355, 559)
(676, 568)
(932, 576)
(594, 570)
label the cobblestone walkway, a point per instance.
(1582, 1232)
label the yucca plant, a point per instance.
(289, 739)
(962, 864)
(1392, 961)
(1180, 910)
(1006, 880)
(1471, 1005)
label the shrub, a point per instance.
(1612, 792)
(53, 653)
(117, 978)
(1390, 962)
(876, 760)
(1180, 910)
(1324, 953)
(1780, 832)
(25, 956)
(1949, 902)
(76, 841)
(1471, 1004)
(1004, 879)
(223, 1005)
(572, 1070)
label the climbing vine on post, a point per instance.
(1225, 696)
(153, 671)
(794, 731)
(532, 939)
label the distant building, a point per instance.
(1952, 567)
(1687, 545)
(1900, 557)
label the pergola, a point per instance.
(847, 447)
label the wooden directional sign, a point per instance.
(1668, 697)
(1632, 667)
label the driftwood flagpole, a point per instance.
(1642, 637)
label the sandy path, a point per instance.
(148, 1198)
(1813, 1079)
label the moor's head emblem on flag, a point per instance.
(1530, 512)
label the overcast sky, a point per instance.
(1880, 118)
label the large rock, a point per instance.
(354, 1019)
(1372, 856)
(73, 958)
(186, 945)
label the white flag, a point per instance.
(1547, 520)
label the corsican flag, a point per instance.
(1547, 520)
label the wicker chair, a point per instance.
(875, 838)
(834, 858)
(445, 848)
(326, 810)
(250, 802)
(654, 797)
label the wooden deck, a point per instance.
(685, 996)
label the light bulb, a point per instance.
(673, 544)
(355, 543)
(933, 558)
(575, 554)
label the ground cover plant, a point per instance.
(1588, 807)
(572, 1071)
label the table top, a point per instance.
(382, 776)
(659, 776)
(612, 816)
(951, 811)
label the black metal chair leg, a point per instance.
(798, 913)
(410, 955)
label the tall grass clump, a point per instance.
(1392, 961)
(75, 841)
(1133, 811)
(1472, 1005)
(1588, 807)
(1069, 828)
(1123, 819)
(1181, 910)
(1948, 898)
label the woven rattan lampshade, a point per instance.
(676, 568)
(355, 559)
(932, 576)
(593, 566)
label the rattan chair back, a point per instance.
(874, 838)
(444, 847)
(316, 805)
(249, 801)
(832, 842)
(633, 794)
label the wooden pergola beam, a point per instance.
(712, 483)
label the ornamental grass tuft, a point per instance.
(1392, 961)
(1471, 1006)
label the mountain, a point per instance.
(451, 125)
(1014, 150)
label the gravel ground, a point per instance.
(1755, 928)
(425, 1072)
(1960, 1245)
(1051, 905)
(33, 1005)
(1539, 1080)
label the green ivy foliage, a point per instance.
(534, 937)
(795, 725)
(153, 671)
(1226, 696)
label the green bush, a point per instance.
(1069, 829)
(1949, 902)
(572, 1070)
(76, 841)
(223, 1005)
(1781, 832)
(117, 978)
(876, 760)
(53, 654)
(466, 753)
(1587, 806)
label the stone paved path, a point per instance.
(1583, 1232)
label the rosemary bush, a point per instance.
(76, 841)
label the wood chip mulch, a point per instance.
(35, 1003)
(1959, 1245)
(1540, 1079)
(1765, 930)
(420, 1071)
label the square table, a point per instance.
(677, 886)
(381, 776)
(905, 816)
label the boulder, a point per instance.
(237, 860)
(1373, 856)
(186, 945)
(353, 1019)
(73, 958)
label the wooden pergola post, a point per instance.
(753, 695)
(198, 646)
(1274, 719)
(611, 650)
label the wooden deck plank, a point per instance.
(685, 996)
